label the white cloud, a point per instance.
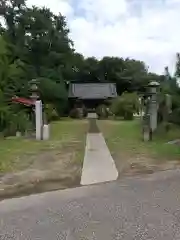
(102, 10)
(56, 6)
(143, 29)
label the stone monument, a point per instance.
(151, 111)
(38, 109)
(153, 104)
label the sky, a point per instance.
(146, 30)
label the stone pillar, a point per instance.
(46, 132)
(153, 113)
(168, 103)
(153, 118)
(153, 107)
(39, 119)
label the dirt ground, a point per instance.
(57, 166)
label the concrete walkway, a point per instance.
(98, 163)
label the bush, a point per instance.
(102, 111)
(85, 112)
(174, 117)
(18, 122)
(75, 113)
(125, 106)
(51, 113)
(128, 115)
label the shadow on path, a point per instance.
(93, 128)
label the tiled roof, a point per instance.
(92, 90)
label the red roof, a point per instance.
(25, 101)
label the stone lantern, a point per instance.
(153, 104)
(153, 86)
(38, 109)
(34, 90)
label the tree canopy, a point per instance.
(35, 44)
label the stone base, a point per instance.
(147, 134)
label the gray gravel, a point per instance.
(134, 208)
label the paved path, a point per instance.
(98, 164)
(145, 208)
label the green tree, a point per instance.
(39, 42)
(11, 76)
(126, 105)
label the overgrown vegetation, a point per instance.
(125, 106)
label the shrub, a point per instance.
(75, 113)
(174, 117)
(125, 106)
(50, 113)
(85, 112)
(17, 122)
(102, 111)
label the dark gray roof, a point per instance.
(92, 90)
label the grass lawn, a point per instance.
(124, 139)
(30, 166)
(66, 135)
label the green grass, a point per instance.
(125, 138)
(14, 151)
